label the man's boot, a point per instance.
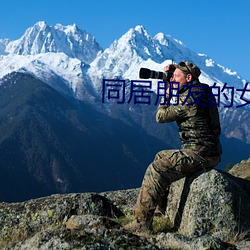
(143, 220)
(137, 226)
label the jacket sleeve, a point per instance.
(169, 113)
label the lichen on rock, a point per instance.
(211, 202)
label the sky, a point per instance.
(217, 28)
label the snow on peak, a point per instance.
(41, 24)
(3, 44)
(162, 39)
(134, 47)
(134, 36)
(42, 38)
(69, 29)
(140, 29)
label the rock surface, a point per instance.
(211, 202)
(241, 169)
(208, 211)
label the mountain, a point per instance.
(41, 38)
(136, 49)
(53, 54)
(53, 107)
(63, 73)
(55, 144)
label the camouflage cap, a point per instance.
(189, 68)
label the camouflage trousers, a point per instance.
(167, 167)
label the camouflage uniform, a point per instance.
(199, 130)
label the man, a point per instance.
(197, 117)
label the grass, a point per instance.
(160, 223)
(123, 220)
(238, 237)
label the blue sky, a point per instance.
(218, 28)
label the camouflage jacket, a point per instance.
(197, 119)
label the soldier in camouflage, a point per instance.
(199, 129)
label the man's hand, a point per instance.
(167, 68)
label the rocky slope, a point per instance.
(50, 143)
(207, 211)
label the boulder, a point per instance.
(210, 202)
(241, 169)
(19, 221)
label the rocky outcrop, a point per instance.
(209, 210)
(241, 169)
(211, 202)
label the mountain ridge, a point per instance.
(135, 49)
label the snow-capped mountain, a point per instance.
(137, 49)
(41, 38)
(75, 57)
(71, 61)
(63, 73)
(57, 55)
(56, 138)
